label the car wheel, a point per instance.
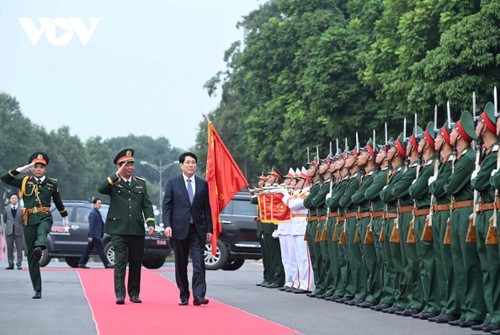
(72, 261)
(153, 263)
(219, 260)
(45, 259)
(109, 251)
(233, 264)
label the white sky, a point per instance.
(141, 72)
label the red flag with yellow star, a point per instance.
(224, 178)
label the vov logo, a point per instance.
(59, 31)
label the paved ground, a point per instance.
(64, 310)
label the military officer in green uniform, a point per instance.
(366, 161)
(385, 295)
(411, 287)
(324, 278)
(312, 222)
(488, 253)
(260, 233)
(356, 274)
(396, 154)
(129, 208)
(441, 241)
(37, 191)
(419, 191)
(464, 254)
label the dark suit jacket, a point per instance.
(177, 210)
(13, 224)
(96, 224)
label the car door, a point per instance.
(60, 234)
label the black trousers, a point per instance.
(182, 248)
(128, 249)
(97, 243)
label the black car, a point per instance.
(70, 241)
(238, 240)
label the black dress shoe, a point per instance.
(366, 304)
(380, 307)
(37, 295)
(83, 266)
(444, 318)
(455, 322)
(120, 300)
(469, 323)
(311, 295)
(481, 326)
(424, 315)
(183, 302)
(37, 253)
(135, 299)
(197, 301)
(19, 267)
(410, 311)
(109, 266)
(300, 291)
(272, 285)
(284, 288)
(487, 328)
(263, 283)
(495, 332)
(10, 267)
(393, 310)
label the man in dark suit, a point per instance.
(129, 207)
(13, 232)
(188, 222)
(96, 232)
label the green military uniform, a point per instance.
(369, 257)
(264, 251)
(356, 274)
(324, 278)
(393, 250)
(446, 281)
(465, 258)
(384, 295)
(37, 194)
(311, 233)
(339, 266)
(411, 286)
(422, 198)
(129, 205)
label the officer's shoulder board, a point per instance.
(429, 162)
(452, 157)
(369, 173)
(399, 169)
(52, 179)
(495, 148)
(411, 166)
(139, 178)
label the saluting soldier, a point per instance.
(465, 258)
(488, 253)
(312, 223)
(419, 191)
(37, 191)
(129, 208)
(356, 274)
(411, 287)
(366, 161)
(396, 156)
(384, 295)
(441, 224)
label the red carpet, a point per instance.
(160, 314)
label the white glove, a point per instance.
(328, 196)
(431, 180)
(26, 168)
(474, 174)
(65, 221)
(414, 181)
(494, 172)
(275, 234)
(385, 187)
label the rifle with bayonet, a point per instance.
(410, 237)
(395, 236)
(471, 230)
(369, 231)
(492, 234)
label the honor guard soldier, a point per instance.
(339, 264)
(260, 232)
(37, 192)
(384, 295)
(396, 156)
(366, 161)
(312, 222)
(488, 253)
(324, 278)
(464, 253)
(441, 230)
(356, 276)
(424, 223)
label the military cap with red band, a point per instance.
(39, 157)
(126, 155)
